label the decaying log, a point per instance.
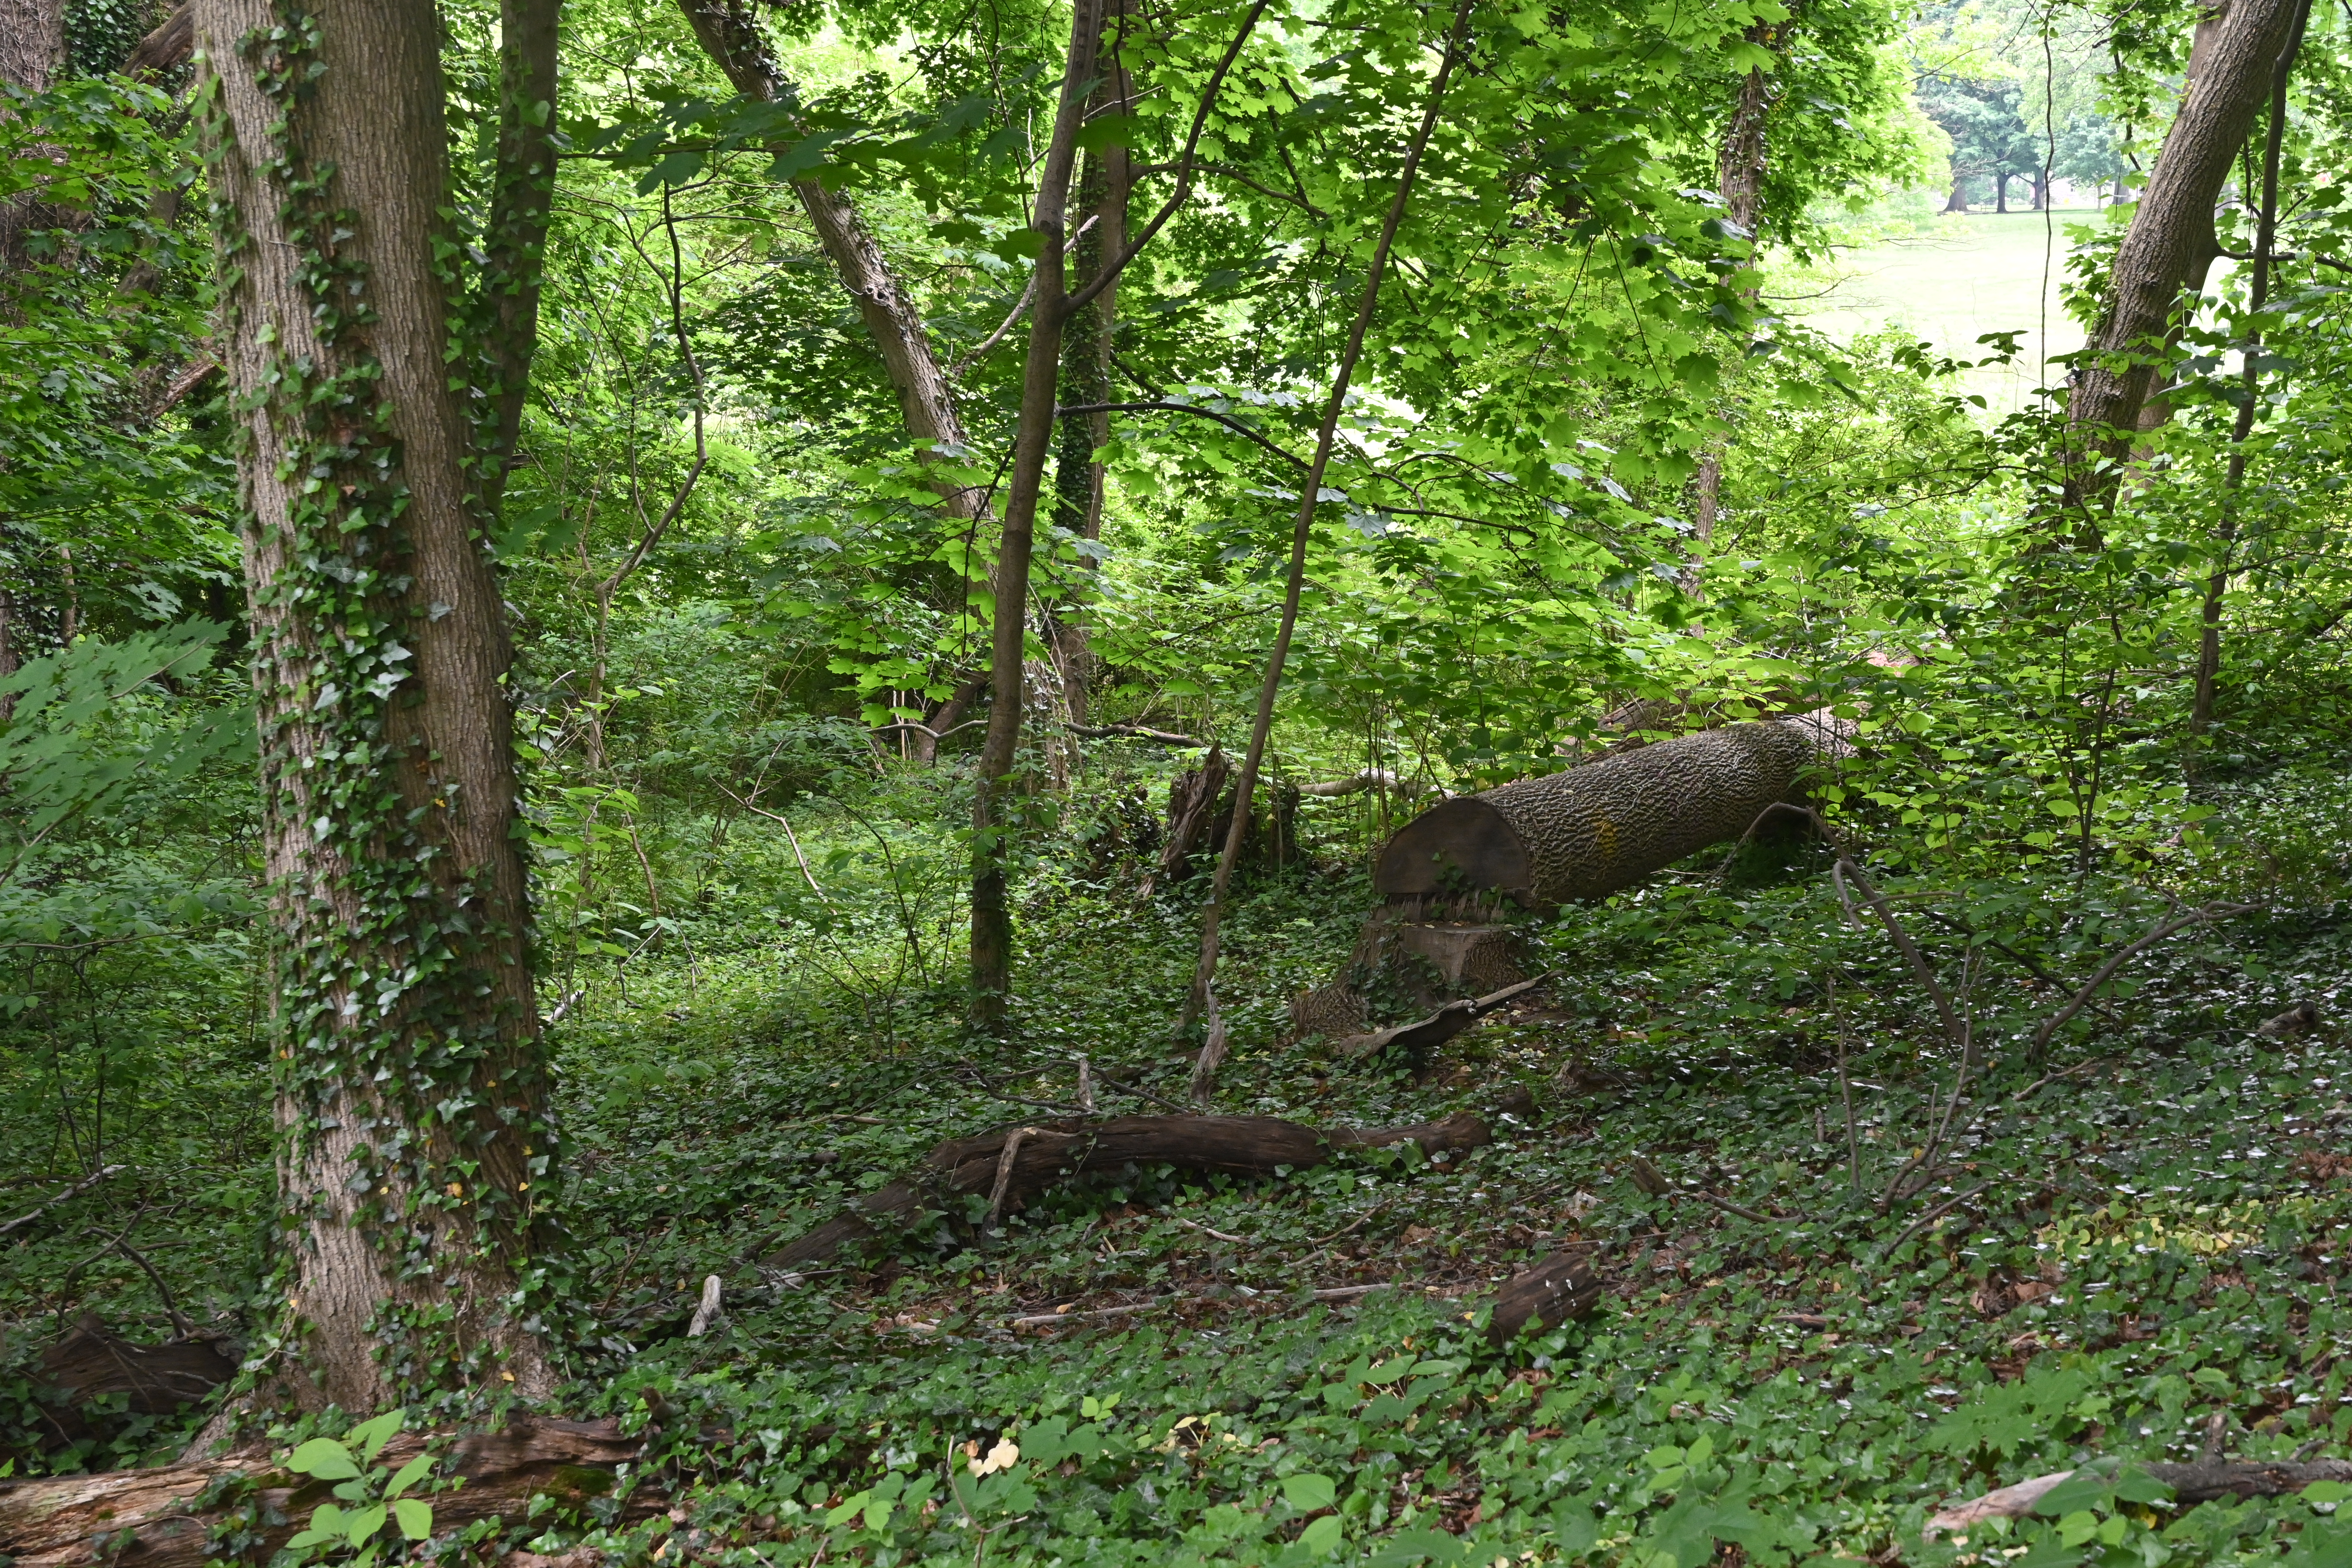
(1592, 830)
(1191, 804)
(1545, 1296)
(2203, 1481)
(91, 1364)
(1048, 1154)
(1421, 964)
(1426, 1034)
(147, 1518)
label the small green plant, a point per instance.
(371, 1496)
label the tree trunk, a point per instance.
(992, 916)
(1200, 999)
(411, 1094)
(1014, 1165)
(1739, 174)
(2170, 243)
(2258, 288)
(1591, 831)
(730, 34)
(32, 48)
(1103, 188)
(506, 297)
(1958, 203)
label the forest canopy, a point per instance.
(898, 782)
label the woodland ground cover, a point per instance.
(487, 849)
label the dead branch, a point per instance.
(2203, 1481)
(2058, 1019)
(45, 1205)
(150, 1519)
(1052, 1153)
(1424, 1034)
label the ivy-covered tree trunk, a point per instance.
(412, 1095)
(32, 47)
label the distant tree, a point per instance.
(2089, 151)
(1989, 137)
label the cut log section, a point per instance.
(1014, 1165)
(150, 1519)
(1544, 1297)
(1593, 830)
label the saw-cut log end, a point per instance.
(1591, 831)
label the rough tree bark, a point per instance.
(992, 916)
(2258, 288)
(2170, 245)
(412, 1093)
(1200, 999)
(32, 48)
(1587, 832)
(163, 1518)
(506, 296)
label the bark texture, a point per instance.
(411, 1099)
(2170, 243)
(1587, 833)
(1739, 177)
(32, 48)
(730, 35)
(1543, 1297)
(158, 1518)
(1048, 1154)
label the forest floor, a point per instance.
(2117, 1246)
(2127, 1242)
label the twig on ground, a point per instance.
(2058, 1020)
(1932, 1216)
(1013, 1141)
(45, 1205)
(1205, 1230)
(705, 1311)
(1728, 1206)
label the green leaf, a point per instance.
(324, 1458)
(1321, 1535)
(373, 1435)
(415, 1518)
(1308, 1492)
(361, 1525)
(409, 1474)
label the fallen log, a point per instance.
(1543, 1297)
(2202, 1481)
(1424, 1035)
(151, 1518)
(91, 1365)
(1591, 831)
(1014, 1165)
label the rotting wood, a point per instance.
(2202, 1481)
(1426, 1034)
(90, 1363)
(1052, 1153)
(147, 1519)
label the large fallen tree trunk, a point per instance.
(1014, 1165)
(1592, 830)
(153, 1518)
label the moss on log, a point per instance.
(1592, 830)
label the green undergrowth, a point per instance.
(2114, 1243)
